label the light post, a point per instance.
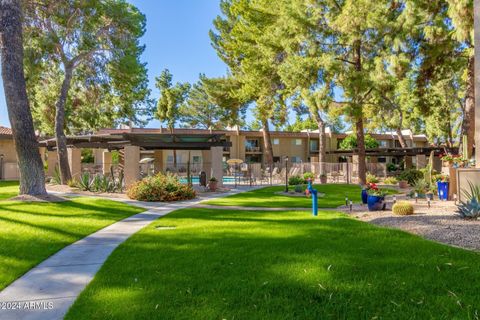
(286, 174)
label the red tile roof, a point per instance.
(5, 131)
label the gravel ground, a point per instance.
(440, 222)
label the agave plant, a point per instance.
(85, 183)
(471, 207)
(56, 176)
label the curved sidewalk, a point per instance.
(48, 290)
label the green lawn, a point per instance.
(31, 232)
(227, 264)
(266, 197)
(8, 189)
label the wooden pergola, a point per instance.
(131, 144)
(397, 152)
(146, 141)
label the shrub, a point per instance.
(299, 188)
(371, 178)
(308, 175)
(470, 208)
(403, 208)
(391, 167)
(421, 186)
(411, 176)
(295, 180)
(87, 156)
(391, 180)
(160, 187)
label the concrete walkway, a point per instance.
(48, 290)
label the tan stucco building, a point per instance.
(8, 156)
(298, 146)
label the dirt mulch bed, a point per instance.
(440, 222)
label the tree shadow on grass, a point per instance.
(229, 265)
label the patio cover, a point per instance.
(146, 141)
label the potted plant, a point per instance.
(365, 189)
(447, 160)
(212, 184)
(323, 178)
(376, 199)
(442, 186)
(403, 184)
(420, 187)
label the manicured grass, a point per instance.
(266, 197)
(220, 264)
(30, 232)
(8, 189)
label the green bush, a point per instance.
(350, 142)
(391, 180)
(411, 176)
(295, 180)
(403, 208)
(371, 178)
(391, 167)
(308, 175)
(299, 188)
(161, 188)
(87, 156)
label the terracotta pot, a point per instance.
(212, 185)
(402, 184)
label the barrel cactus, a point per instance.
(402, 208)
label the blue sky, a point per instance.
(176, 38)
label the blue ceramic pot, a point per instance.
(376, 203)
(364, 196)
(442, 190)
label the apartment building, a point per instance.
(298, 146)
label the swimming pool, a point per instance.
(196, 180)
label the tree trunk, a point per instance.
(468, 127)
(362, 167)
(172, 130)
(267, 144)
(362, 170)
(401, 139)
(62, 153)
(32, 175)
(322, 153)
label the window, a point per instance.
(296, 159)
(276, 141)
(383, 143)
(298, 142)
(196, 159)
(169, 158)
(382, 160)
(252, 145)
(313, 145)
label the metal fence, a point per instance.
(258, 173)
